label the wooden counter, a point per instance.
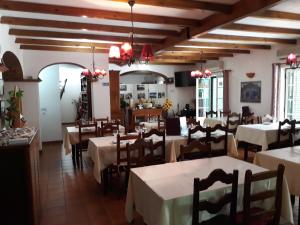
(145, 113)
(19, 174)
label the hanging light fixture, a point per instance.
(201, 73)
(292, 60)
(96, 72)
(125, 52)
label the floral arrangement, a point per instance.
(168, 104)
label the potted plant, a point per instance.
(13, 111)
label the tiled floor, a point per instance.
(73, 197)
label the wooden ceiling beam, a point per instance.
(79, 26)
(240, 9)
(93, 13)
(54, 34)
(269, 14)
(247, 38)
(261, 29)
(224, 45)
(206, 50)
(186, 4)
(61, 49)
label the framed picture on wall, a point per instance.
(122, 96)
(128, 95)
(140, 87)
(141, 95)
(251, 91)
(152, 95)
(123, 87)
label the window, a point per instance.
(292, 94)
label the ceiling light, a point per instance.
(201, 73)
(292, 60)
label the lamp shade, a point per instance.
(114, 52)
(291, 59)
(126, 51)
(85, 72)
(147, 53)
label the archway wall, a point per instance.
(178, 95)
(35, 61)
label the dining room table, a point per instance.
(103, 150)
(260, 134)
(290, 158)
(213, 121)
(163, 194)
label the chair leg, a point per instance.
(74, 155)
(105, 180)
(293, 200)
(246, 152)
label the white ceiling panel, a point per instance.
(253, 34)
(270, 22)
(228, 41)
(292, 6)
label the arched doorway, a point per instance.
(59, 95)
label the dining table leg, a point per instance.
(74, 155)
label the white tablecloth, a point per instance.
(71, 137)
(290, 158)
(103, 152)
(259, 134)
(211, 122)
(150, 125)
(163, 194)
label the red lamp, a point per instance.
(85, 72)
(126, 51)
(147, 53)
(291, 59)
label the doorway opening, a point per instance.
(60, 91)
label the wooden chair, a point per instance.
(157, 152)
(252, 216)
(246, 115)
(86, 131)
(107, 129)
(120, 166)
(195, 150)
(104, 119)
(196, 129)
(221, 140)
(285, 136)
(225, 113)
(211, 114)
(161, 124)
(233, 121)
(136, 153)
(215, 207)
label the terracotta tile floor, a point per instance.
(73, 197)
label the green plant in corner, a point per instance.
(14, 108)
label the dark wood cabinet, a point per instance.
(86, 97)
(20, 189)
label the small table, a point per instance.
(213, 121)
(163, 194)
(290, 158)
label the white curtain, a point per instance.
(277, 91)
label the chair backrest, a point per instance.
(215, 207)
(220, 138)
(108, 128)
(286, 134)
(211, 114)
(104, 119)
(224, 113)
(247, 116)
(161, 124)
(121, 151)
(195, 130)
(195, 150)
(136, 152)
(233, 121)
(87, 131)
(173, 126)
(274, 214)
(119, 116)
(156, 152)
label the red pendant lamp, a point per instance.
(147, 53)
(291, 60)
(126, 51)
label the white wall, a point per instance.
(72, 91)
(50, 112)
(178, 95)
(7, 43)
